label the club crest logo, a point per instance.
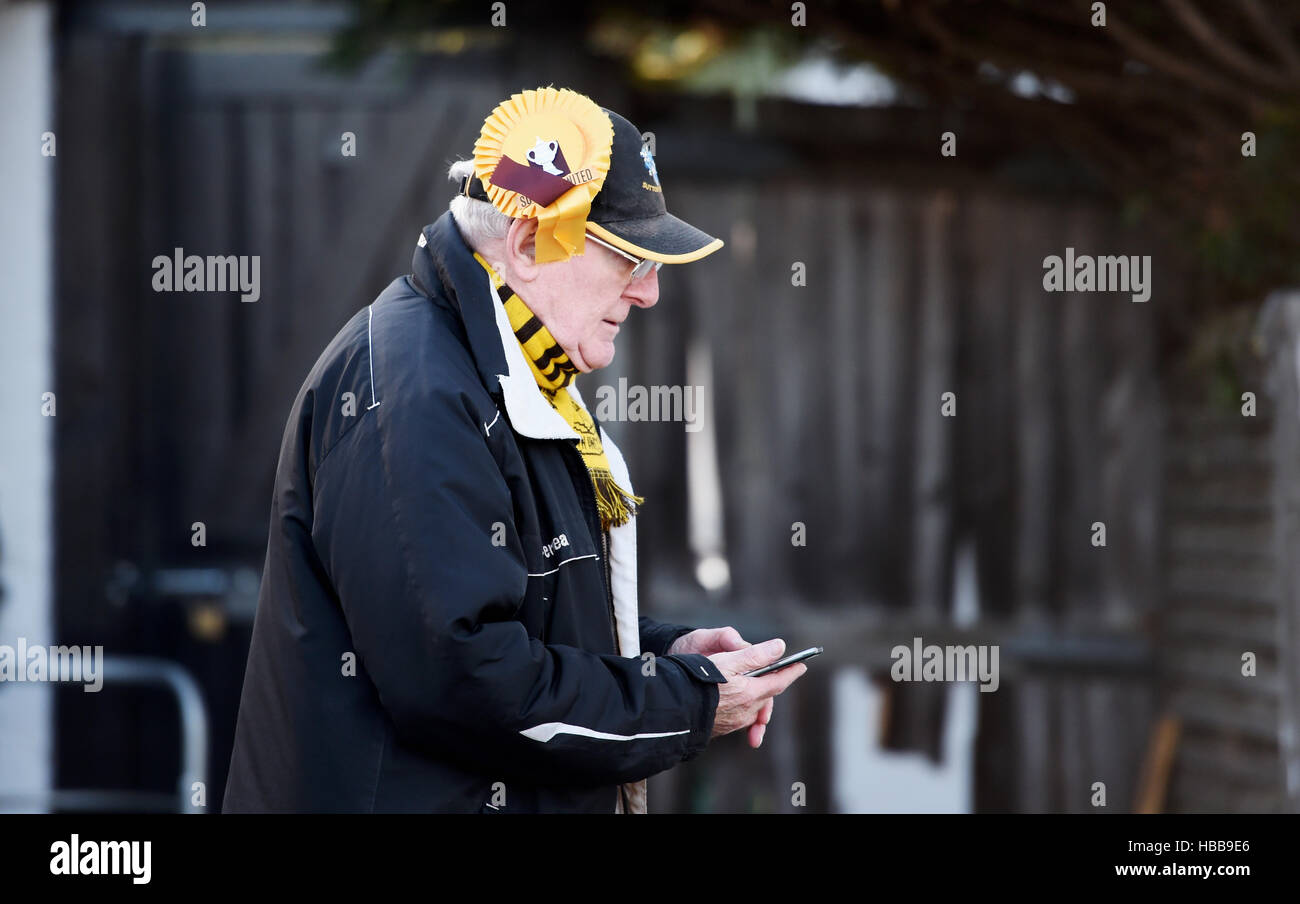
(541, 176)
(649, 161)
(544, 154)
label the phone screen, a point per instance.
(787, 661)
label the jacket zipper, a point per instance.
(609, 582)
(605, 564)
(608, 570)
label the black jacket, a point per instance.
(438, 610)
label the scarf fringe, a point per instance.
(616, 505)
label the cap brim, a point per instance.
(664, 238)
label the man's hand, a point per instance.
(747, 702)
(707, 641)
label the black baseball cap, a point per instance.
(629, 210)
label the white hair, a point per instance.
(479, 221)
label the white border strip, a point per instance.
(370, 350)
(565, 562)
(548, 730)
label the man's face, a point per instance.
(582, 301)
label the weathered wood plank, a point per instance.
(931, 503)
(1282, 314)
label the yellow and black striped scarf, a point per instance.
(554, 371)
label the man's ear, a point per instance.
(520, 249)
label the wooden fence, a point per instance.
(922, 278)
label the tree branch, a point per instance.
(1271, 35)
(1224, 50)
(1149, 53)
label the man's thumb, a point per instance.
(765, 653)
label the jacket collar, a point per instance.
(445, 264)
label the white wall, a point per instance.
(866, 778)
(26, 311)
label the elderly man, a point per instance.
(448, 619)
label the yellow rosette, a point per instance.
(544, 153)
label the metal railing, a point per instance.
(152, 672)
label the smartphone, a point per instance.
(782, 663)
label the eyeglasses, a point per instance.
(643, 265)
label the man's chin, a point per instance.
(601, 356)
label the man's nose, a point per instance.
(644, 292)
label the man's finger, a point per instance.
(776, 682)
(756, 656)
(729, 639)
